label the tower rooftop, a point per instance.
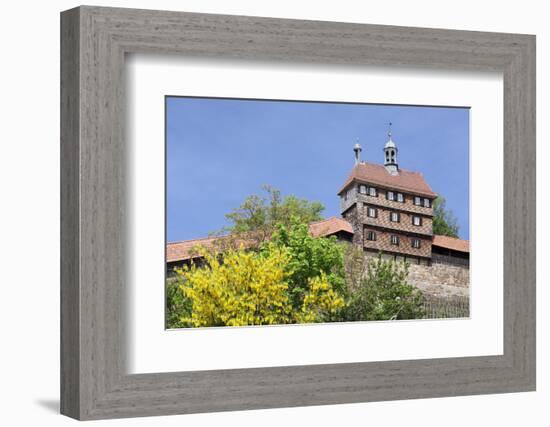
(390, 144)
(404, 180)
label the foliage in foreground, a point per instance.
(384, 294)
(251, 288)
(309, 258)
(254, 288)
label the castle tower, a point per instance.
(389, 209)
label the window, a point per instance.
(400, 197)
(417, 201)
(363, 189)
(371, 235)
(372, 212)
(417, 220)
(373, 192)
(415, 243)
(427, 203)
(394, 239)
(390, 195)
(394, 216)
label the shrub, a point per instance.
(321, 303)
(252, 288)
(383, 294)
(309, 259)
(178, 306)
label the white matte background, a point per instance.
(29, 218)
(152, 349)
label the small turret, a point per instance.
(357, 149)
(390, 155)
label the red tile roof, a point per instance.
(184, 250)
(372, 173)
(451, 243)
(329, 226)
(179, 251)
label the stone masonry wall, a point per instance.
(440, 279)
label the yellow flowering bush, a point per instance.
(242, 289)
(321, 303)
(250, 288)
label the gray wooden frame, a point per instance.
(94, 41)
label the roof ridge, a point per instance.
(199, 239)
(325, 219)
(382, 166)
(450, 237)
(196, 239)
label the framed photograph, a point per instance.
(261, 213)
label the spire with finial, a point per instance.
(357, 149)
(390, 154)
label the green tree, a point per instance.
(258, 216)
(444, 221)
(309, 258)
(384, 294)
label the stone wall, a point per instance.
(438, 279)
(352, 217)
(441, 279)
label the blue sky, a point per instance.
(219, 151)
